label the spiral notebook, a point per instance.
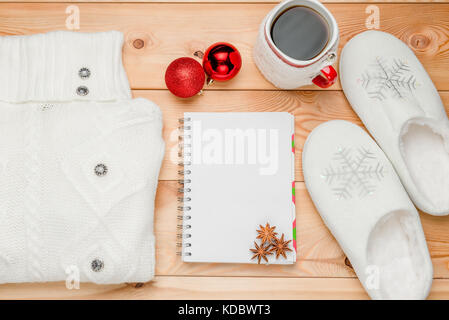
(238, 173)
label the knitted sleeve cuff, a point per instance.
(63, 66)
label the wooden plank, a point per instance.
(169, 288)
(310, 109)
(319, 255)
(174, 30)
(221, 1)
(196, 288)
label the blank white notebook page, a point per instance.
(239, 174)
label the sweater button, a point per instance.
(101, 169)
(82, 91)
(84, 73)
(97, 265)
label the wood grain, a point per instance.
(239, 288)
(221, 1)
(197, 288)
(173, 30)
(310, 109)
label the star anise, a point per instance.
(266, 234)
(261, 252)
(280, 247)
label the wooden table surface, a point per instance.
(173, 29)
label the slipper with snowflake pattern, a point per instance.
(363, 203)
(395, 98)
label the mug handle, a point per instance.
(326, 78)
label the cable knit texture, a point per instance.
(78, 173)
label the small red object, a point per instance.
(185, 77)
(222, 61)
(326, 78)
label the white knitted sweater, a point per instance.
(79, 161)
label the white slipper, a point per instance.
(395, 98)
(363, 203)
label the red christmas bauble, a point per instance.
(185, 77)
(222, 61)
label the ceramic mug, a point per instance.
(286, 72)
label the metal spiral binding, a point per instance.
(184, 154)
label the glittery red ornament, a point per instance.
(185, 77)
(222, 61)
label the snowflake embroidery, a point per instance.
(355, 173)
(382, 81)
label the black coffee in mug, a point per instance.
(300, 32)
